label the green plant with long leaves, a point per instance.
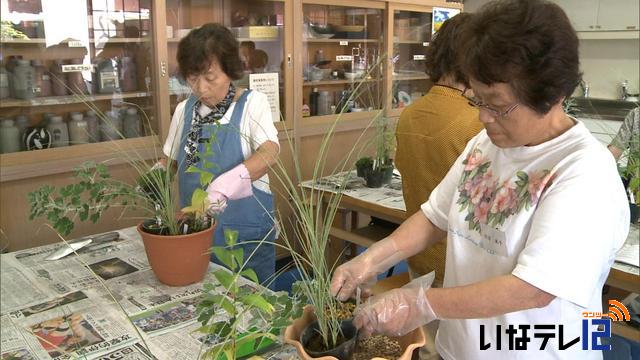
(313, 211)
(263, 315)
(631, 168)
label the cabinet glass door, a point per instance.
(259, 28)
(343, 60)
(76, 72)
(411, 36)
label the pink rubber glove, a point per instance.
(397, 312)
(232, 185)
(362, 271)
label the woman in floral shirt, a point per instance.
(533, 209)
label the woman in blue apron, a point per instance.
(238, 124)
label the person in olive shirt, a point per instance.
(433, 131)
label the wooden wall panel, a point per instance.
(20, 233)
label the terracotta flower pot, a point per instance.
(178, 260)
(408, 342)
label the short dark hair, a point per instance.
(441, 55)
(528, 44)
(202, 45)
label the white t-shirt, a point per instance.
(256, 127)
(553, 215)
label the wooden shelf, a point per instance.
(69, 99)
(92, 41)
(337, 82)
(410, 77)
(339, 40)
(412, 42)
(27, 164)
(177, 40)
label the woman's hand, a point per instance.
(397, 312)
(232, 185)
(363, 270)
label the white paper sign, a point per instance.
(418, 57)
(77, 68)
(268, 84)
(344, 42)
(344, 58)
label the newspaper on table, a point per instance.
(118, 310)
(389, 195)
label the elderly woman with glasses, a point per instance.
(533, 209)
(238, 124)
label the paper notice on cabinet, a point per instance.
(629, 254)
(268, 84)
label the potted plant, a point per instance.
(363, 165)
(263, 315)
(382, 167)
(312, 214)
(176, 242)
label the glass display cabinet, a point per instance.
(343, 59)
(411, 34)
(73, 76)
(258, 26)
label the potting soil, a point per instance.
(377, 346)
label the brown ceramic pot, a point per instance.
(178, 260)
(408, 342)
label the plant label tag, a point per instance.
(493, 240)
(344, 57)
(418, 57)
(76, 68)
(426, 43)
(344, 43)
(75, 43)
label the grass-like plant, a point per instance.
(313, 212)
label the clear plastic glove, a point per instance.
(231, 185)
(363, 270)
(397, 312)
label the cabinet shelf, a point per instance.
(410, 77)
(412, 42)
(69, 99)
(177, 40)
(337, 82)
(92, 41)
(339, 40)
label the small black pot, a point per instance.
(361, 170)
(343, 351)
(374, 178)
(387, 174)
(634, 211)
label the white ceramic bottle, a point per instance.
(92, 126)
(22, 123)
(59, 131)
(23, 80)
(9, 137)
(111, 126)
(78, 129)
(132, 123)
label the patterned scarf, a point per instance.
(193, 138)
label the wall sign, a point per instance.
(268, 84)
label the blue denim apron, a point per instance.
(251, 216)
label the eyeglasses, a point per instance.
(481, 105)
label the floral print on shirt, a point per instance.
(490, 201)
